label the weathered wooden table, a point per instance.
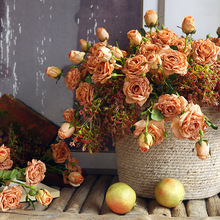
(88, 202)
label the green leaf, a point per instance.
(133, 50)
(14, 173)
(210, 124)
(165, 134)
(1, 173)
(142, 32)
(73, 164)
(72, 66)
(170, 89)
(156, 115)
(174, 47)
(20, 175)
(6, 175)
(88, 79)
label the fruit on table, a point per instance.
(120, 198)
(169, 192)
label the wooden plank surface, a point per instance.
(196, 208)
(95, 198)
(88, 202)
(213, 206)
(78, 199)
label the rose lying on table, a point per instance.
(33, 174)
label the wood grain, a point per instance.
(196, 208)
(79, 197)
(96, 196)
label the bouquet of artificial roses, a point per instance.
(159, 78)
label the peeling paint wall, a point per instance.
(40, 33)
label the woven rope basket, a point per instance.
(172, 158)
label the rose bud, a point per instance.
(75, 178)
(65, 131)
(4, 153)
(145, 142)
(134, 38)
(43, 197)
(102, 34)
(218, 31)
(151, 18)
(104, 54)
(76, 56)
(117, 53)
(53, 72)
(202, 150)
(154, 61)
(188, 25)
(85, 45)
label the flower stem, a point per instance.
(185, 42)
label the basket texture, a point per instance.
(172, 158)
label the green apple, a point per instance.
(120, 198)
(169, 192)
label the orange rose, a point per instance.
(84, 70)
(102, 34)
(136, 90)
(84, 93)
(96, 46)
(9, 198)
(170, 105)
(92, 61)
(165, 36)
(188, 25)
(76, 56)
(69, 115)
(35, 172)
(61, 152)
(4, 153)
(156, 128)
(72, 178)
(6, 165)
(153, 61)
(103, 54)
(102, 72)
(188, 125)
(148, 48)
(202, 150)
(73, 165)
(43, 197)
(151, 18)
(135, 66)
(140, 127)
(180, 43)
(173, 62)
(204, 51)
(65, 131)
(134, 37)
(72, 78)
